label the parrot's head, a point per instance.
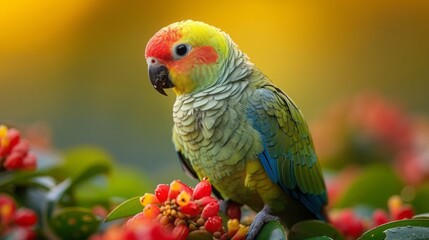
(186, 56)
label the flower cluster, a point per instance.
(367, 129)
(183, 212)
(16, 223)
(348, 222)
(362, 126)
(14, 151)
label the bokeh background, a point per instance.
(78, 67)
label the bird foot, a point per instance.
(261, 218)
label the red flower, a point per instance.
(16, 223)
(14, 151)
(213, 224)
(7, 209)
(25, 217)
(178, 210)
(348, 223)
(380, 217)
(202, 189)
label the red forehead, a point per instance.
(159, 46)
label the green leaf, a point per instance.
(128, 208)
(74, 223)
(97, 192)
(312, 229)
(79, 159)
(19, 177)
(90, 172)
(54, 196)
(411, 229)
(408, 232)
(374, 185)
(272, 230)
(57, 192)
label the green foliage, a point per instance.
(414, 229)
(95, 191)
(12, 179)
(78, 159)
(64, 193)
(107, 188)
(420, 201)
(128, 208)
(57, 193)
(74, 223)
(272, 230)
(372, 187)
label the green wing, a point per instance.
(288, 157)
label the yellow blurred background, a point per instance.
(79, 66)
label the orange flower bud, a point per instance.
(151, 211)
(148, 198)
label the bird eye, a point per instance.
(181, 50)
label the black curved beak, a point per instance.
(160, 78)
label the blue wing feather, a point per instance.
(266, 122)
(313, 202)
(270, 165)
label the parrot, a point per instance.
(232, 125)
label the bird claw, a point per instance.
(261, 218)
